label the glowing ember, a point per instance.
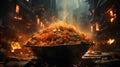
(14, 46)
(58, 33)
(111, 41)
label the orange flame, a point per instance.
(112, 19)
(17, 8)
(91, 28)
(110, 41)
(39, 23)
(97, 27)
(14, 46)
(42, 25)
(111, 13)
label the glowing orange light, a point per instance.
(112, 19)
(91, 28)
(110, 41)
(111, 13)
(18, 18)
(42, 25)
(20, 37)
(14, 46)
(114, 15)
(17, 8)
(38, 21)
(97, 27)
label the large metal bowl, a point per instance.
(62, 54)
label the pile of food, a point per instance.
(57, 34)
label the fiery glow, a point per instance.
(42, 25)
(115, 15)
(39, 23)
(91, 28)
(111, 13)
(97, 27)
(17, 8)
(110, 41)
(64, 24)
(18, 18)
(112, 19)
(20, 37)
(58, 33)
(14, 46)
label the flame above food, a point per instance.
(57, 33)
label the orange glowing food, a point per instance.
(57, 34)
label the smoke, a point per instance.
(75, 12)
(65, 8)
(68, 8)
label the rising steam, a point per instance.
(75, 12)
(68, 8)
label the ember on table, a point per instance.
(57, 34)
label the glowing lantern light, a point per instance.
(91, 28)
(97, 27)
(18, 18)
(38, 21)
(17, 8)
